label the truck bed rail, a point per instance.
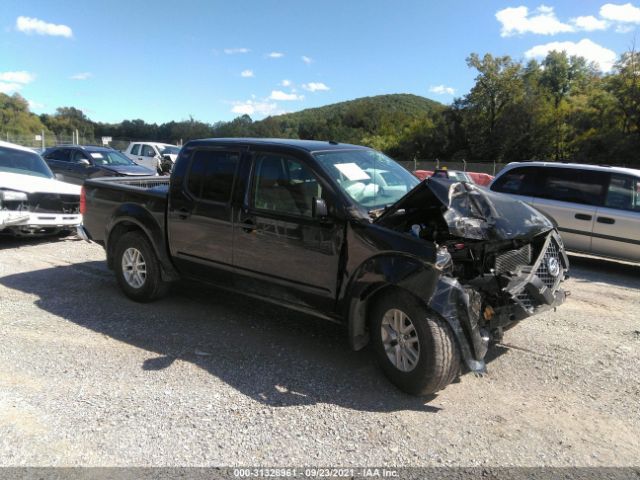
(146, 183)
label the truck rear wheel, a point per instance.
(414, 347)
(137, 268)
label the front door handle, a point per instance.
(607, 220)
(183, 213)
(583, 216)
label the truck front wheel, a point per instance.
(138, 269)
(414, 347)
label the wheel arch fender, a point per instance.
(381, 272)
(440, 294)
(131, 217)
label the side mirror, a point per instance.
(84, 161)
(319, 208)
(151, 154)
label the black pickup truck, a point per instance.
(429, 272)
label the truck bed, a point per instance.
(143, 199)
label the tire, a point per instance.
(137, 268)
(437, 362)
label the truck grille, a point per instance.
(552, 251)
(54, 203)
(511, 260)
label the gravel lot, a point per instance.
(88, 377)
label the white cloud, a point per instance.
(30, 25)
(247, 73)
(601, 56)
(626, 13)
(442, 90)
(17, 77)
(589, 23)
(286, 83)
(518, 20)
(276, 55)
(251, 107)
(81, 76)
(283, 96)
(306, 59)
(36, 105)
(624, 28)
(10, 87)
(234, 51)
(11, 82)
(315, 87)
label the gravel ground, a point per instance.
(206, 378)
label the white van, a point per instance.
(596, 208)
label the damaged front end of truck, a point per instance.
(498, 260)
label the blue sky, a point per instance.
(214, 60)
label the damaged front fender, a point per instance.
(461, 308)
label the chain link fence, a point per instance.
(481, 167)
(42, 141)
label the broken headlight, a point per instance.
(12, 196)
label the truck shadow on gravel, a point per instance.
(273, 355)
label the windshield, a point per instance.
(370, 178)
(110, 158)
(25, 163)
(170, 150)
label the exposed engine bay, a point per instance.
(501, 260)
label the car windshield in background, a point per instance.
(25, 163)
(370, 178)
(110, 158)
(170, 151)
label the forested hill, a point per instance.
(376, 107)
(380, 121)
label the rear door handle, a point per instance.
(607, 220)
(583, 216)
(183, 213)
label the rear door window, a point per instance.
(623, 193)
(211, 175)
(585, 187)
(135, 150)
(60, 154)
(518, 181)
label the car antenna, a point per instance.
(333, 142)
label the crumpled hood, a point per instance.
(33, 184)
(132, 170)
(474, 212)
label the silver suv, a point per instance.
(596, 208)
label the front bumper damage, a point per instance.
(528, 290)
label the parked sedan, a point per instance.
(75, 163)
